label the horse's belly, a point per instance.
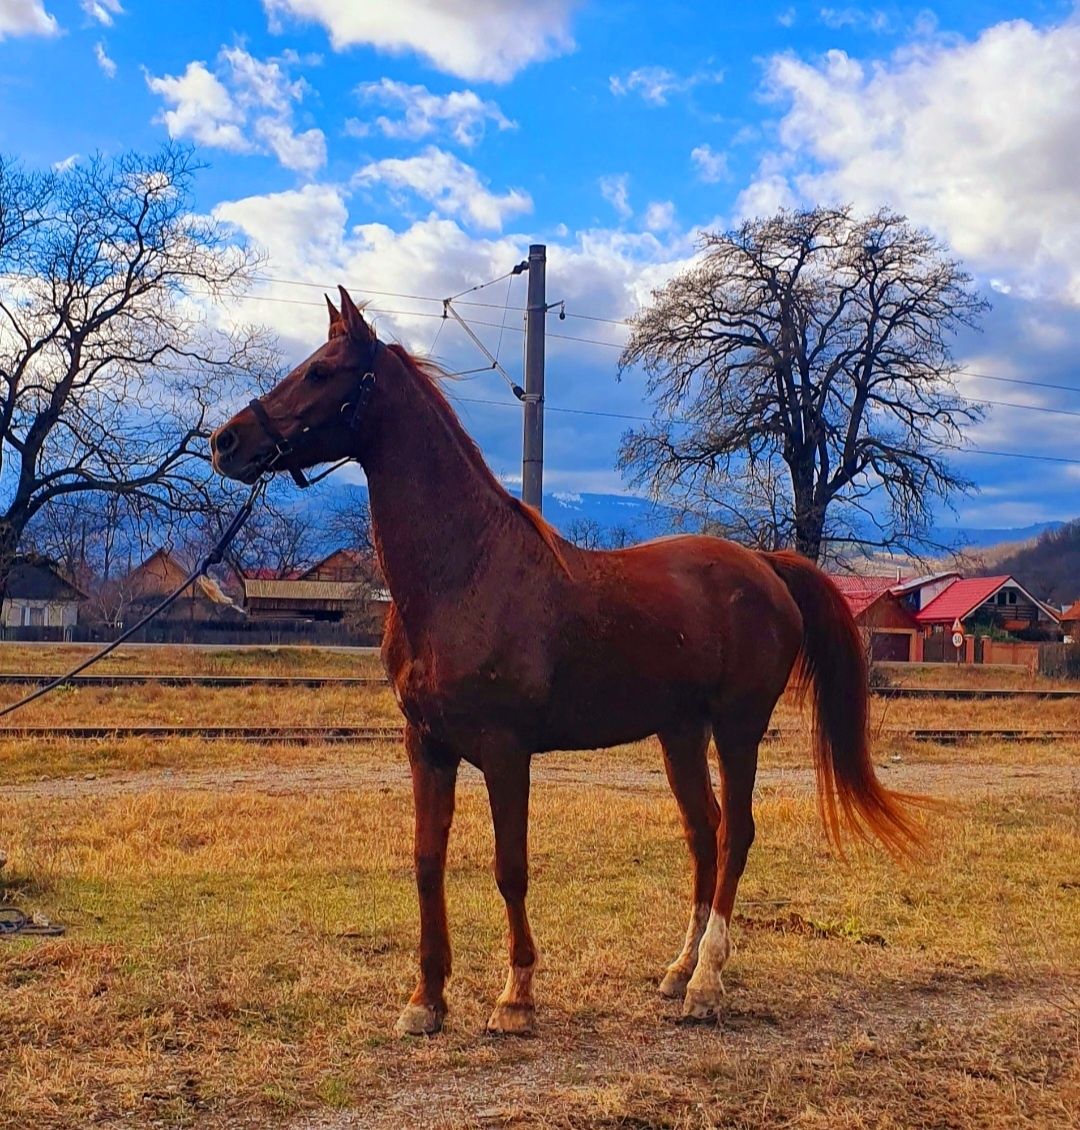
(598, 709)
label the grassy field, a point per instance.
(242, 931)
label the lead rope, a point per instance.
(214, 557)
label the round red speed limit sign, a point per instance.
(958, 639)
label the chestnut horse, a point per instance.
(504, 640)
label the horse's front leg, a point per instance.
(434, 776)
(506, 771)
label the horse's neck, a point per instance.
(433, 509)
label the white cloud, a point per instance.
(859, 18)
(26, 17)
(107, 65)
(659, 216)
(475, 39)
(65, 164)
(979, 140)
(246, 107)
(451, 186)
(655, 84)
(203, 109)
(461, 113)
(308, 236)
(102, 11)
(711, 166)
(787, 17)
(615, 189)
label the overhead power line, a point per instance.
(676, 420)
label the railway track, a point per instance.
(312, 735)
(962, 693)
(26, 679)
(235, 681)
(295, 735)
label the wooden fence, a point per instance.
(1060, 660)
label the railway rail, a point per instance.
(131, 680)
(297, 735)
(227, 681)
(309, 735)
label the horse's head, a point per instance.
(313, 415)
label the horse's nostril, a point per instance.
(225, 441)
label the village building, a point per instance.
(1000, 603)
(38, 596)
(914, 619)
(129, 598)
(885, 620)
(1070, 623)
(343, 587)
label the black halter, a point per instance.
(354, 407)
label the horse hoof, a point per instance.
(700, 1005)
(420, 1020)
(512, 1020)
(673, 986)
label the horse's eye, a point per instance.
(316, 373)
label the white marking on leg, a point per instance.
(712, 954)
(687, 960)
(518, 985)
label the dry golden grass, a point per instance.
(970, 676)
(137, 659)
(242, 931)
(153, 704)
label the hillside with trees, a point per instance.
(1049, 566)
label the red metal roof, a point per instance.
(849, 583)
(1072, 613)
(960, 599)
(860, 592)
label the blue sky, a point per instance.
(419, 147)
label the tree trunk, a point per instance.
(809, 516)
(9, 544)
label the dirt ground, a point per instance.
(952, 780)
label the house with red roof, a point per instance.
(914, 618)
(886, 621)
(990, 602)
(1070, 623)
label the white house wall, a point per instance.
(17, 613)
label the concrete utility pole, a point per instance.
(532, 447)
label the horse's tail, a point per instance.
(833, 661)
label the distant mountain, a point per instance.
(642, 519)
(636, 518)
(975, 537)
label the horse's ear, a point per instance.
(355, 326)
(335, 316)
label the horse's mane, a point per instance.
(431, 376)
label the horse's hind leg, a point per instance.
(686, 760)
(737, 748)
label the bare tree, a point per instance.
(585, 533)
(108, 366)
(803, 381)
(348, 524)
